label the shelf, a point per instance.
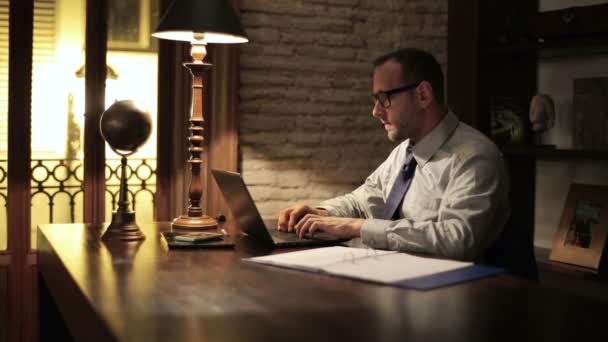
(512, 49)
(541, 152)
(567, 47)
(569, 32)
(570, 278)
(544, 264)
(573, 47)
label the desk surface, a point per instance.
(150, 293)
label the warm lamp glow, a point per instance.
(209, 37)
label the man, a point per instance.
(445, 180)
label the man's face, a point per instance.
(402, 118)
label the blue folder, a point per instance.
(450, 277)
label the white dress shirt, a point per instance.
(457, 203)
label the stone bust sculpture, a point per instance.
(542, 114)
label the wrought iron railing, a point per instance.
(54, 179)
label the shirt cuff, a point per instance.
(373, 233)
(329, 209)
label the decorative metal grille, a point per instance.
(55, 178)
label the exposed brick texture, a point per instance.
(307, 133)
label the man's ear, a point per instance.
(424, 94)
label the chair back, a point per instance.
(514, 251)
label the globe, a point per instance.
(125, 126)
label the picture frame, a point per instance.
(130, 24)
(581, 237)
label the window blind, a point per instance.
(43, 52)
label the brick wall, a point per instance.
(306, 131)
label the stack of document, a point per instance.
(386, 267)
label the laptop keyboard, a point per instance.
(284, 236)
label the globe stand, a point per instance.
(123, 226)
(125, 128)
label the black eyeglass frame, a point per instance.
(388, 93)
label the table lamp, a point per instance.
(199, 22)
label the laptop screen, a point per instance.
(241, 204)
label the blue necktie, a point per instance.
(402, 184)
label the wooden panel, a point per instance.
(173, 104)
(463, 54)
(507, 79)
(51, 324)
(474, 74)
(223, 123)
(165, 153)
(5, 259)
(505, 23)
(68, 296)
(30, 286)
(173, 111)
(95, 87)
(3, 305)
(522, 173)
(19, 156)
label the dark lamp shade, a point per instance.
(213, 20)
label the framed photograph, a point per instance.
(130, 23)
(583, 229)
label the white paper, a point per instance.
(362, 263)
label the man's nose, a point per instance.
(378, 110)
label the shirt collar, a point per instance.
(426, 148)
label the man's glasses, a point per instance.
(384, 97)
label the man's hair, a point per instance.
(419, 66)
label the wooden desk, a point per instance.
(107, 292)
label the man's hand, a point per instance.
(290, 216)
(342, 227)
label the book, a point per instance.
(378, 266)
(590, 113)
(174, 239)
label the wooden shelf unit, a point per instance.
(494, 50)
(566, 47)
(553, 153)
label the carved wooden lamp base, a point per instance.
(185, 222)
(123, 227)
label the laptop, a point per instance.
(250, 221)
